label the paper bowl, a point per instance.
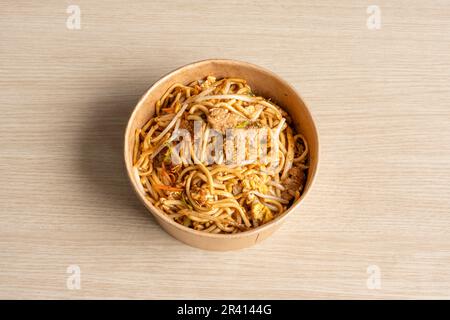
(264, 83)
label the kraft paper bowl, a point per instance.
(264, 83)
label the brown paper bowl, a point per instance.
(264, 83)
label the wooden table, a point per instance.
(376, 224)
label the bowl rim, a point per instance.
(160, 214)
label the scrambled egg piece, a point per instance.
(260, 213)
(254, 182)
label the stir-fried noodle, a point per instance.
(188, 168)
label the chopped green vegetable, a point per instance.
(183, 199)
(243, 124)
(186, 222)
(167, 155)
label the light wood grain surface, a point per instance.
(381, 100)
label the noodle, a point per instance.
(229, 194)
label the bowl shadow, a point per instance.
(102, 150)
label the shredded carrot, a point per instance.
(167, 188)
(169, 110)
